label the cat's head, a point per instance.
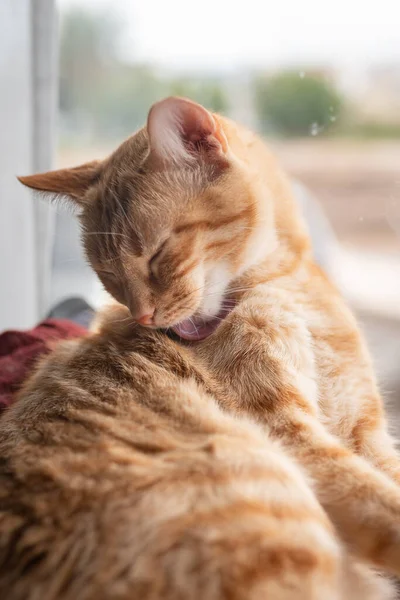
(171, 218)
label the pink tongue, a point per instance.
(195, 329)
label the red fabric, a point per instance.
(20, 349)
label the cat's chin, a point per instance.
(196, 328)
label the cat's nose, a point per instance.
(147, 319)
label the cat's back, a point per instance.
(119, 479)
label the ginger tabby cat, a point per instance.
(191, 224)
(120, 480)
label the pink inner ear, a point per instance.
(178, 128)
(197, 123)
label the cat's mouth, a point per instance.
(197, 328)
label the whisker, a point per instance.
(192, 322)
(242, 289)
(111, 260)
(226, 302)
(118, 202)
(124, 320)
(69, 260)
(106, 233)
(212, 318)
(229, 291)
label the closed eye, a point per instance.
(157, 255)
(108, 274)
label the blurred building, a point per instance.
(374, 91)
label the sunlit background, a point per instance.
(321, 81)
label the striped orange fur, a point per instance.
(192, 220)
(121, 478)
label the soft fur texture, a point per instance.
(122, 479)
(191, 221)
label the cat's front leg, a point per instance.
(262, 354)
(348, 392)
(363, 503)
(370, 438)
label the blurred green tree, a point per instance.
(295, 105)
(88, 50)
(207, 92)
(123, 106)
(101, 96)
(217, 100)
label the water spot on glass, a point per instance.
(315, 128)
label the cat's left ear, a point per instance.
(71, 183)
(180, 130)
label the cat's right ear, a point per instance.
(180, 130)
(71, 183)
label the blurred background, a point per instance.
(320, 82)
